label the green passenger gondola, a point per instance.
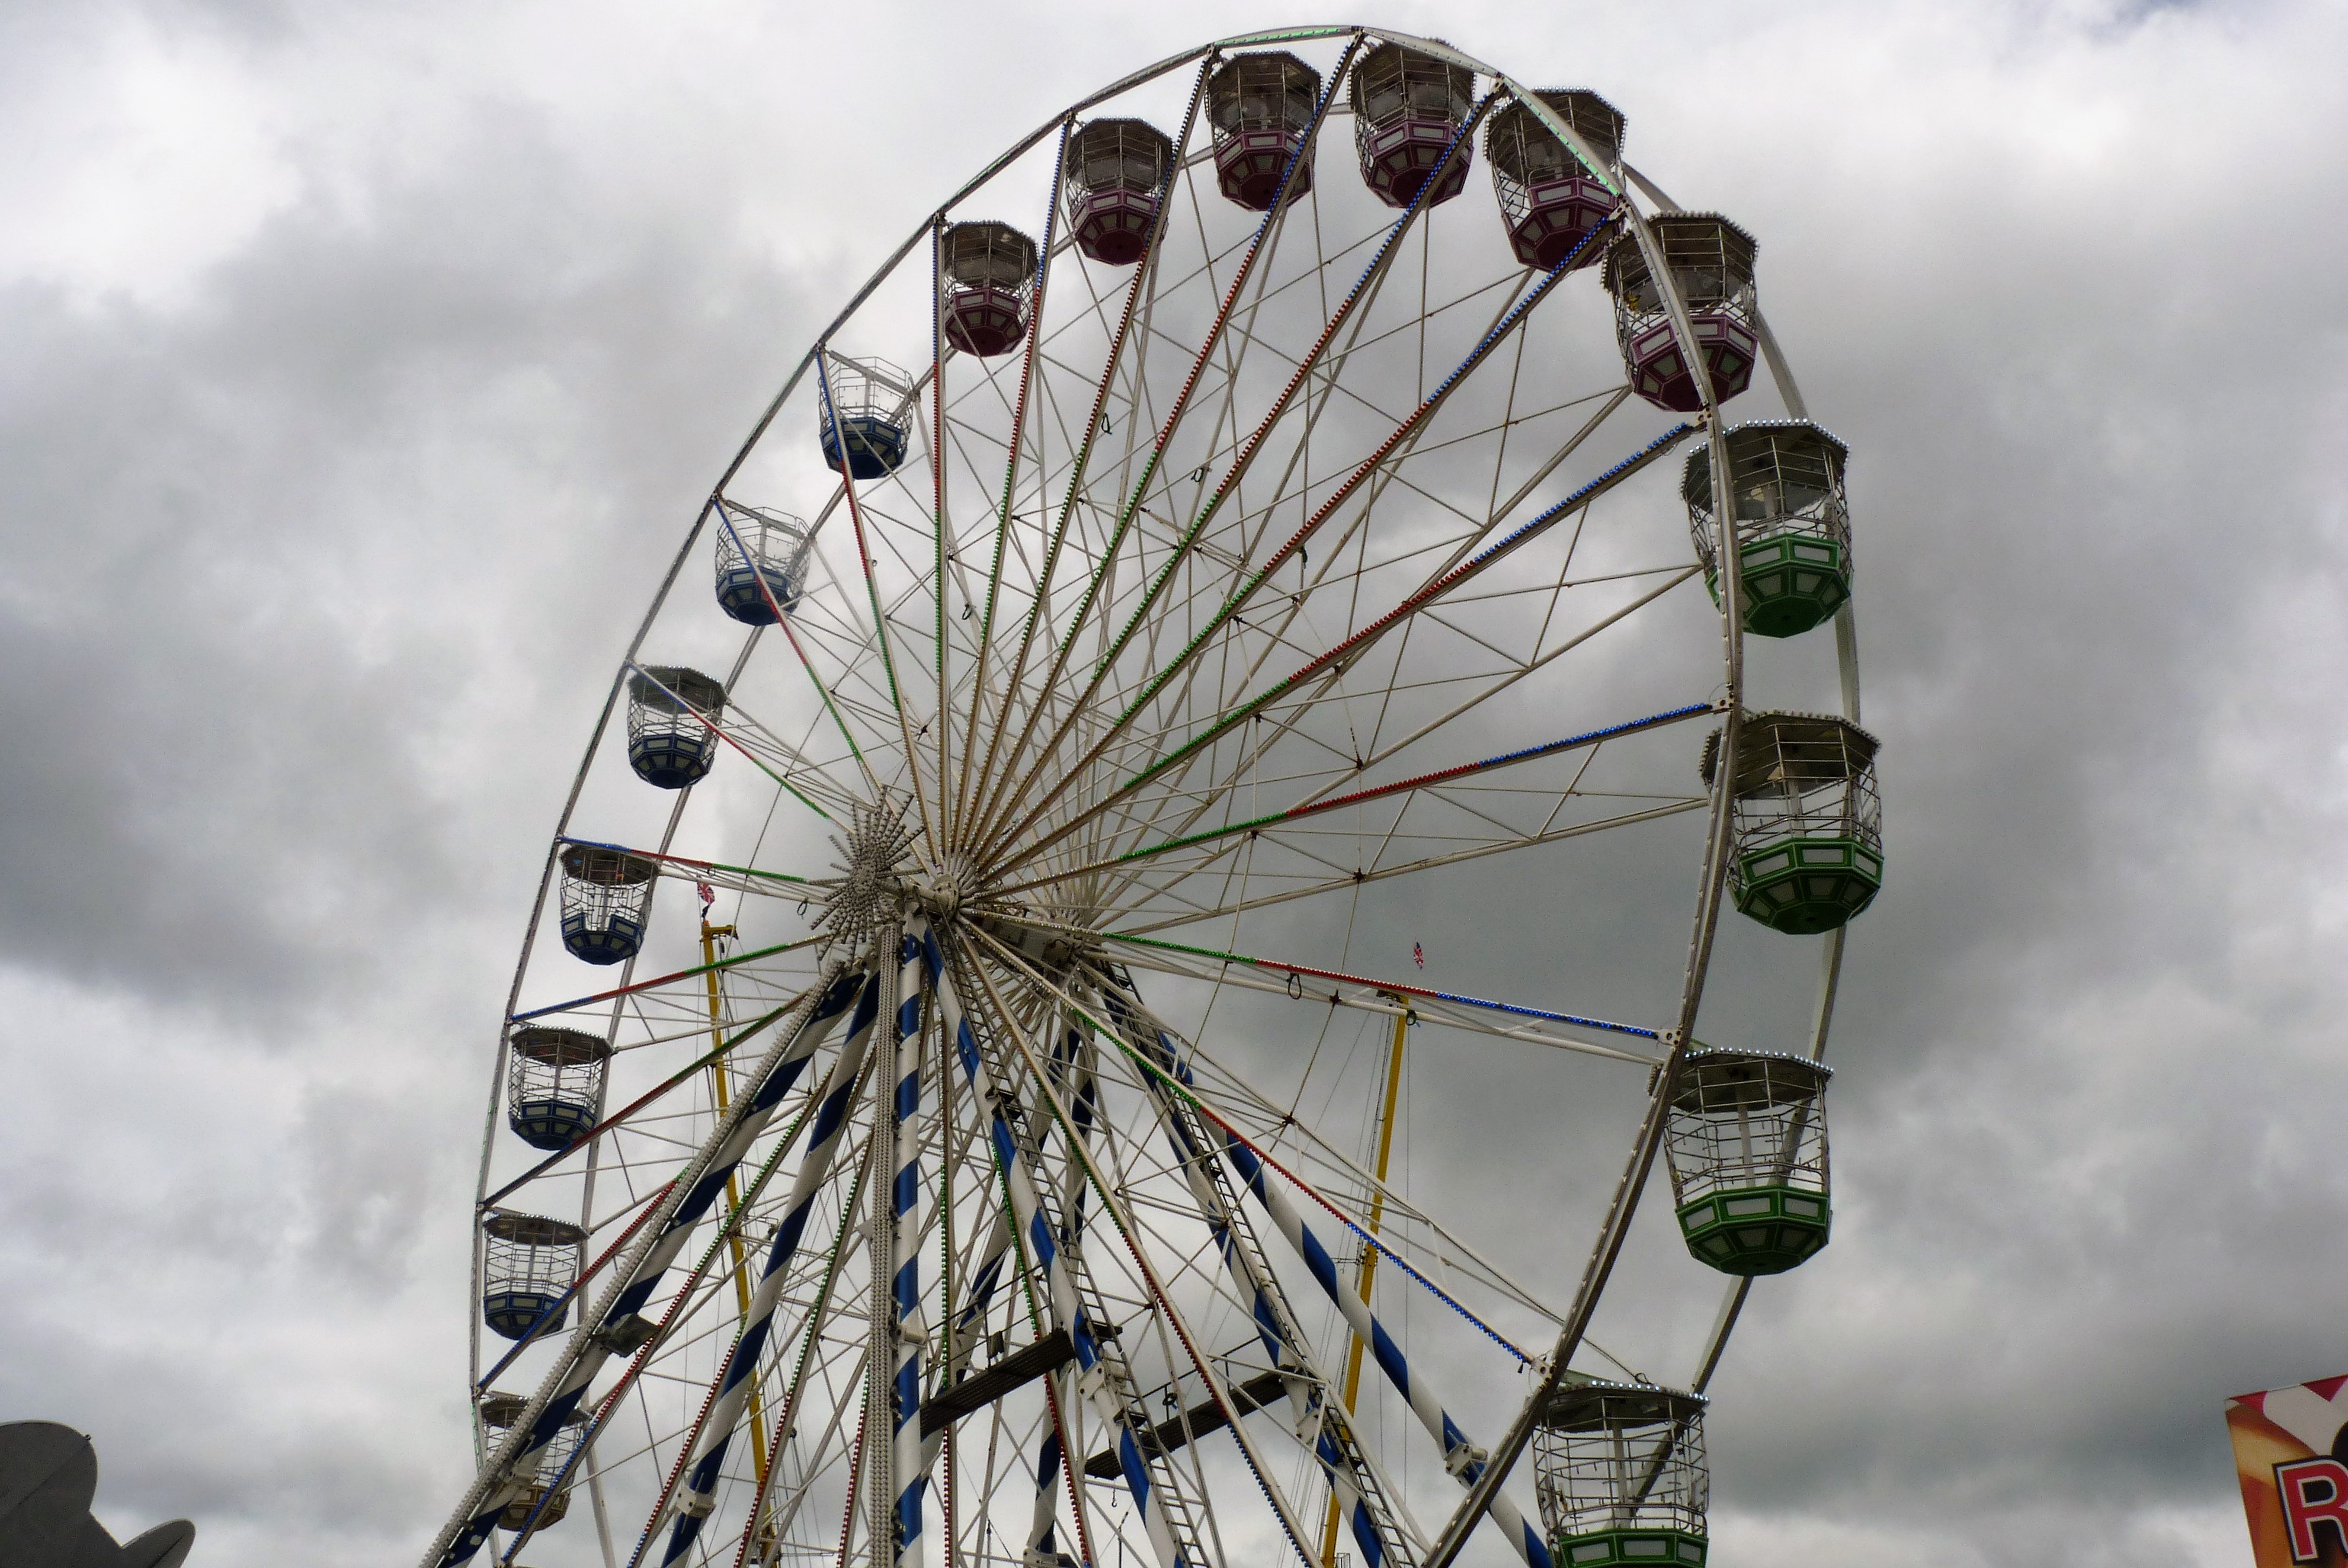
(1793, 527)
(1808, 823)
(1619, 1473)
(1746, 1145)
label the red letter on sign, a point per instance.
(2314, 1492)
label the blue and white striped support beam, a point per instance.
(1077, 1085)
(967, 1322)
(1043, 1551)
(1460, 1457)
(1074, 1082)
(1274, 1323)
(828, 1131)
(910, 1467)
(979, 1294)
(590, 1348)
(1066, 1311)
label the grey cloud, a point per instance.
(313, 582)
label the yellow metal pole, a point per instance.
(1369, 1263)
(709, 935)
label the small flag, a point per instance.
(708, 895)
(1418, 955)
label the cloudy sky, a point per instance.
(360, 365)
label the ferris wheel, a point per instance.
(946, 1110)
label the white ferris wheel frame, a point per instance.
(1342, 989)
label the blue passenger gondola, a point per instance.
(554, 1082)
(861, 419)
(606, 894)
(672, 714)
(762, 558)
(531, 1261)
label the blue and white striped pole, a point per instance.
(1043, 1551)
(1460, 1457)
(981, 1290)
(984, 1278)
(1352, 1505)
(1082, 1090)
(910, 1467)
(1019, 1179)
(590, 1348)
(1078, 1090)
(826, 1133)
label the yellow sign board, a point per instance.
(2290, 1454)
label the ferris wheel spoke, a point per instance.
(1078, 466)
(510, 1469)
(1373, 465)
(1460, 1455)
(1143, 276)
(1276, 1121)
(790, 756)
(1462, 1459)
(1274, 1135)
(941, 536)
(824, 695)
(1267, 230)
(1003, 507)
(962, 1328)
(880, 619)
(1372, 995)
(721, 732)
(587, 1140)
(1508, 678)
(664, 1348)
(832, 1446)
(551, 1317)
(1170, 1509)
(1168, 1314)
(802, 777)
(1183, 543)
(1248, 1121)
(1351, 651)
(637, 988)
(1334, 385)
(699, 1282)
(1352, 764)
(1260, 826)
(736, 878)
(1364, 1494)
(731, 1389)
(1425, 862)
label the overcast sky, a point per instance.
(360, 366)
